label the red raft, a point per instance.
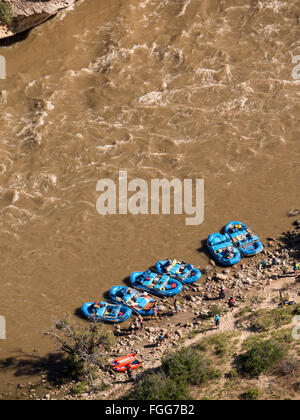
(132, 366)
(124, 360)
(123, 363)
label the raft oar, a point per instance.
(154, 296)
(133, 310)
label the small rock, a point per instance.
(293, 213)
(220, 276)
(3, 97)
(209, 268)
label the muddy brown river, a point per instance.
(187, 89)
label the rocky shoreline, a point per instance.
(251, 283)
(30, 13)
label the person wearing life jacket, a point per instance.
(169, 265)
(96, 306)
(129, 373)
(155, 309)
(227, 253)
(230, 253)
(181, 268)
(231, 302)
(222, 292)
(159, 340)
(155, 280)
(217, 321)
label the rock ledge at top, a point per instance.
(30, 13)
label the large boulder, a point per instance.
(29, 13)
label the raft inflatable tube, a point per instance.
(185, 273)
(244, 238)
(132, 366)
(124, 360)
(106, 312)
(140, 302)
(156, 284)
(223, 250)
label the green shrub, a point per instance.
(6, 14)
(297, 310)
(158, 386)
(260, 357)
(251, 394)
(288, 367)
(243, 312)
(178, 371)
(283, 336)
(193, 333)
(261, 325)
(80, 388)
(232, 374)
(215, 310)
(264, 320)
(87, 348)
(189, 365)
(220, 343)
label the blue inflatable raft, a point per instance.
(156, 284)
(140, 302)
(106, 312)
(244, 238)
(185, 273)
(222, 249)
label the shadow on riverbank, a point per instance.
(53, 368)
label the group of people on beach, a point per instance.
(160, 338)
(221, 295)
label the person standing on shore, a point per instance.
(155, 310)
(129, 373)
(206, 296)
(217, 321)
(264, 263)
(137, 323)
(141, 322)
(176, 305)
(231, 303)
(222, 292)
(159, 340)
